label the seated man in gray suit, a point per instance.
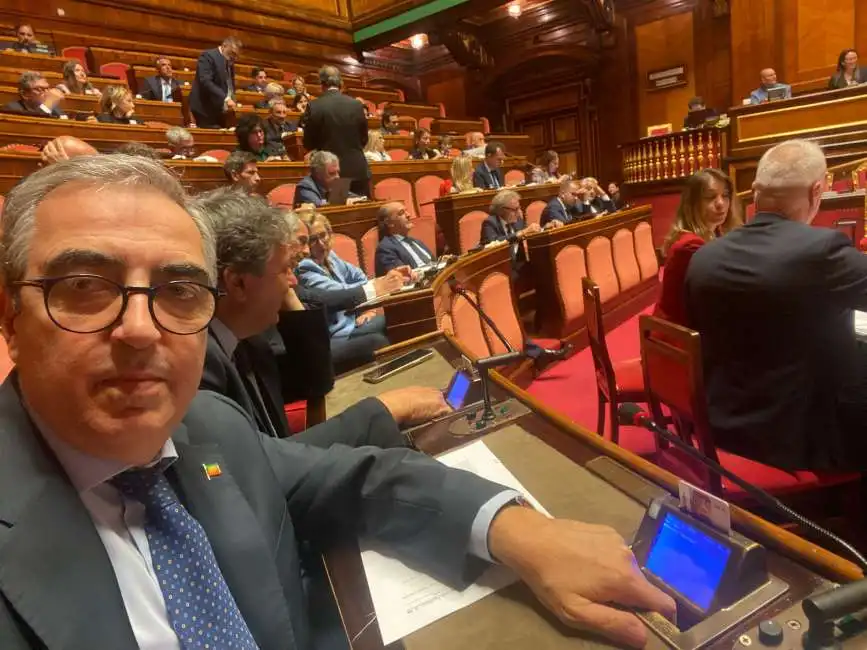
(138, 512)
(313, 188)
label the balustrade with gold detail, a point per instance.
(673, 156)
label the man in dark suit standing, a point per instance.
(489, 173)
(36, 97)
(337, 123)
(773, 301)
(139, 512)
(213, 91)
(506, 223)
(565, 207)
(396, 247)
(162, 86)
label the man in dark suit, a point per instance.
(26, 39)
(773, 302)
(260, 81)
(396, 247)
(489, 173)
(260, 327)
(213, 91)
(162, 86)
(565, 207)
(595, 201)
(36, 97)
(506, 223)
(132, 501)
(337, 123)
(324, 170)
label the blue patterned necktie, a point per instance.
(201, 610)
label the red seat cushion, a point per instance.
(771, 479)
(296, 416)
(630, 376)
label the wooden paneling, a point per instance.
(661, 44)
(536, 131)
(565, 129)
(447, 87)
(801, 39)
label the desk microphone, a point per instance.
(633, 414)
(455, 286)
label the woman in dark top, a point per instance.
(848, 73)
(708, 208)
(300, 103)
(421, 149)
(250, 132)
(116, 106)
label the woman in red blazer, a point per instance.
(708, 208)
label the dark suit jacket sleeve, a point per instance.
(490, 233)
(609, 205)
(479, 179)
(845, 272)
(304, 194)
(421, 509)
(149, 91)
(554, 210)
(304, 358)
(312, 138)
(214, 376)
(334, 300)
(206, 69)
(387, 257)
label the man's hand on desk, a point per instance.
(414, 404)
(532, 229)
(576, 570)
(388, 283)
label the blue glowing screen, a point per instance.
(687, 560)
(458, 390)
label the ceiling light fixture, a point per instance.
(418, 41)
(515, 10)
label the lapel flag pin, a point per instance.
(212, 470)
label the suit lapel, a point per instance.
(53, 566)
(246, 560)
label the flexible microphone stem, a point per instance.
(458, 289)
(632, 414)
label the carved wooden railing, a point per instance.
(673, 156)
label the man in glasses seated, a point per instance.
(137, 512)
(35, 97)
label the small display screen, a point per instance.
(688, 560)
(458, 389)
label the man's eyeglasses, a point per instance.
(39, 89)
(85, 303)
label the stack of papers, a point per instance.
(406, 600)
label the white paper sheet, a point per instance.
(861, 324)
(406, 600)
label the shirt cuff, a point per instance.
(482, 523)
(369, 291)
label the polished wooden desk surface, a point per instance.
(417, 111)
(510, 619)
(103, 55)
(25, 61)
(10, 77)
(450, 208)
(443, 125)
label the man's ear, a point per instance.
(234, 284)
(8, 311)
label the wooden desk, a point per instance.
(10, 77)
(543, 248)
(834, 119)
(416, 111)
(372, 94)
(23, 61)
(450, 209)
(584, 480)
(102, 55)
(442, 126)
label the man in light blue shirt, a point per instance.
(769, 82)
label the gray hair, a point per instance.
(236, 161)
(293, 221)
(95, 172)
(329, 77)
(232, 40)
(276, 101)
(246, 227)
(177, 134)
(321, 159)
(501, 199)
(27, 79)
(273, 89)
(793, 164)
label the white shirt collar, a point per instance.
(85, 471)
(225, 337)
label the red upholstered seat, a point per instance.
(629, 375)
(114, 69)
(296, 416)
(219, 154)
(77, 52)
(283, 195)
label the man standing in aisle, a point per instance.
(337, 123)
(213, 92)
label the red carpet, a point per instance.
(570, 387)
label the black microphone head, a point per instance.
(628, 412)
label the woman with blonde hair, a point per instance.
(375, 151)
(75, 80)
(708, 209)
(116, 106)
(462, 176)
